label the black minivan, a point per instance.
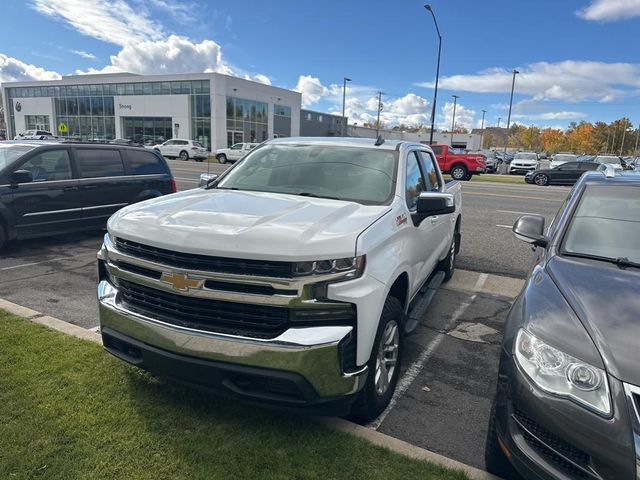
(49, 188)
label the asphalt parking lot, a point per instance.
(450, 365)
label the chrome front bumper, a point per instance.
(312, 352)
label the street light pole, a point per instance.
(513, 84)
(624, 132)
(344, 97)
(453, 120)
(498, 132)
(435, 91)
(379, 110)
(635, 149)
(482, 129)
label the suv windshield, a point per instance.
(363, 175)
(604, 222)
(565, 158)
(9, 153)
(607, 159)
(525, 156)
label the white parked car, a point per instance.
(560, 158)
(609, 160)
(182, 149)
(235, 152)
(524, 162)
(288, 280)
(35, 135)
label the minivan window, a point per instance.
(9, 153)
(49, 165)
(144, 163)
(99, 163)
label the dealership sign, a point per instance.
(18, 107)
(123, 106)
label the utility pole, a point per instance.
(453, 120)
(435, 91)
(344, 97)
(606, 147)
(482, 128)
(613, 141)
(624, 131)
(379, 110)
(513, 84)
(635, 149)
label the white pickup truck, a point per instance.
(235, 152)
(287, 280)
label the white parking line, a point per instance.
(505, 226)
(47, 261)
(190, 180)
(416, 367)
(517, 213)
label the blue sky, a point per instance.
(578, 58)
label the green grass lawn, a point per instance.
(519, 179)
(69, 410)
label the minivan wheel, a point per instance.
(184, 155)
(384, 364)
(459, 172)
(494, 458)
(541, 179)
(222, 158)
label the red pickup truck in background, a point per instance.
(461, 166)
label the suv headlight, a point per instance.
(561, 374)
(345, 268)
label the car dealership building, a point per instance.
(217, 110)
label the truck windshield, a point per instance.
(362, 175)
(605, 220)
(9, 153)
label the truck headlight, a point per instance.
(347, 268)
(561, 374)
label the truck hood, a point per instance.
(607, 301)
(241, 224)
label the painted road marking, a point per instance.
(505, 226)
(22, 265)
(472, 332)
(190, 180)
(416, 367)
(521, 197)
(517, 213)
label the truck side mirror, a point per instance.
(530, 229)
(207, 179)
(435, 203)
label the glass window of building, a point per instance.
(282, 110)
(37, 122)
(246, 120)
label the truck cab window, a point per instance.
(415, 184)
(430, 172)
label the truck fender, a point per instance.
(146, 195)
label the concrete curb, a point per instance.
(404, 448)
(50, 322)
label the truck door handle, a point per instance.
(434, 220)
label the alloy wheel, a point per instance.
(387, 358)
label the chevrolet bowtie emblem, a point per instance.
(179, 281)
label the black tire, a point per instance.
(184, 156)
(370, 403)
(222, 158)
(447, 265)
(3, 236)
(495, 460)
(541, 179)
(459, 172)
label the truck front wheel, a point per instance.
(384, 364)
(460, 172)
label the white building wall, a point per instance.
(178, 107)
(32, 106)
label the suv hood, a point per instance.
(241, 224)
(607, 301)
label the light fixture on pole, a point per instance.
(624, 131)
(453, 120)
(513, 84)
(435, 91)
(344, 97)
(482, 129)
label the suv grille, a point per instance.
(554, 449)
(205, 314)
(195, 262)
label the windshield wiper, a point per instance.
(309, 194)
(621, 262)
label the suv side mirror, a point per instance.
(435, 203)
(207, 179)
(530, 229)
(21, 176)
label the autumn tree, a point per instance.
(552, 140)
(530, 138)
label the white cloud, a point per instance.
(14, 70)
(311, 89)
(172, 55)
(570, 81)
(610, 10)
(112, 21)
(262, 79)
(84, 54)
(562, 115)
(183, 12)
(464, 117)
